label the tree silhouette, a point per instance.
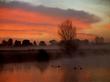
(26, 43)
(99, 40)
(53, 42)
(67, 34)
(4, 43)
(42, 43)
(86, 41)
(102, 40)
(10, 42)
(17, 43)
(34, 43)
(67, 31)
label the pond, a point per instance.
(54, 71)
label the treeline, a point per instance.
(24, 43)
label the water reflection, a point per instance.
(47, 72)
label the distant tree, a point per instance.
(26, 43)
(86, 41)
(34, 43)
(17, 43)
(67, 33)
(99, 40)
(78, 41)
(4, 43)
(10, 42)
(42, 43)
(53, 42)
(102, 40)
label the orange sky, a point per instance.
(21, 23)
(21, 28)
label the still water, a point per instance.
(52, 72)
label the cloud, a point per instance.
(105, 1)
(25, 23)
(84, 36)
(53, 12)
(24, 20)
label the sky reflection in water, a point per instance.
(45, 72)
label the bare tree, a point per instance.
(67, 33)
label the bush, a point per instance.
(69, 47)
(42, 56)
(1, 59)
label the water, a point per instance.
(53, 71)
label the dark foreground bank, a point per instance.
(17, 56)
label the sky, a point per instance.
(39, 19)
